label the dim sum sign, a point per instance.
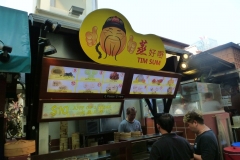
(79, 109)
(107, 37)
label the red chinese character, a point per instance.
(152, 52)
(142, 48)
(74, 70)
(160, 54)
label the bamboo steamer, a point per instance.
(75, 141)
(116, 136)
(63, 130)
(135, 134)
(102, 153)
(125, 135)
(83, 158)
(73, 158)
(94, 154)
(63, 140)
(63, 144)
(90, 140)
(63, 123)
(94, 144)
(63, 135)
(19, 148)
(63, 147)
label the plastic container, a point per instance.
(231, 153)
(236, 144)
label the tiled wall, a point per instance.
(209, 119)
(150, 126)
(230, 55)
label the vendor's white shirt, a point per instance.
(209, 106)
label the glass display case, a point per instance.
(205, 97)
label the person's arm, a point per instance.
(121, 127)
(191, 151)
(220, 106)
(155, 153)
(207, 150)
(140, 127)
(197, 157)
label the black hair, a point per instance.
(166, 122)
(130, 109)
(208, 95)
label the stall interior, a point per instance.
(100, 130)
(205, 97)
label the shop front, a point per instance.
(77, 91)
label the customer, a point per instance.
(130, 124)
(170, 146)
(206, 144)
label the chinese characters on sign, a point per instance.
(80, 109)
(153, 57)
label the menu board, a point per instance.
(158, 85)
(80, 109)
(81, 80)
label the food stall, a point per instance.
(72, 93)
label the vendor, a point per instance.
(210, 104)
(130, 124)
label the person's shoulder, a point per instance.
(180, 137)
(123, 122)
(158, 142)
(207, 135)
(136, 121)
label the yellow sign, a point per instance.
(107, 37)
(80, 109)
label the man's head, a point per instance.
(165, 122)
(131, 113)
(193, 120)
(208, 95)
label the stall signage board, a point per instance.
(107, 37)
(80, 109)
(157, 85)
(80, 80)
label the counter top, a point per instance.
(145, 137)
(140, 138)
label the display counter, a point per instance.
(140, 146)
(128, 148)
(105, 151)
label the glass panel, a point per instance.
(205, 97)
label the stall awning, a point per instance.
(14, 32)
(207, 63)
